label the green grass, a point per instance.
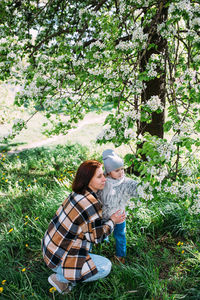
(163, 259)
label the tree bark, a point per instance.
(156, 86)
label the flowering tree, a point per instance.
(140, 56)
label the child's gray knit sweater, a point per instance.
(116, 193)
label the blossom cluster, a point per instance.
(181, 6)
(165, 150)
(151, 69)
(122, 127)
(98, 44)
(195, 208)
(107, 134)
(129, 134)
(125, 45)
(145, 191)
(154, 103)
(159, 173)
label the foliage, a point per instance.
(73, 56)
(164, 176)
(162, 237)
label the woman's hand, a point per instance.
(118, 217)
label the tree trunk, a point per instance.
(156, 86)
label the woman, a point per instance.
(76, 225)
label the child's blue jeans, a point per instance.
(120, 239)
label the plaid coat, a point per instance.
(76, 224)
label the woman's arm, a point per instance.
(97, 230)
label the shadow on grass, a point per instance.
(9, 146)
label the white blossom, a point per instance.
(95, 71)
(131, 204)
(98, 44)
(173, 189)
(129, 133)
(17, 121)
(125, 45)
(195, 22)
(145, 191)
(71, 77)
(154, 103)
(138, 34)
(107, 133)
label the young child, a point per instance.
(117, 191)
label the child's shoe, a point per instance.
(61, 287)
(119, 260)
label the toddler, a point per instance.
(117, 191)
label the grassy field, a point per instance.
(85, 133)
(163, 259)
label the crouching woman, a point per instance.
(76, 225)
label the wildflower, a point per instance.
(26, 217)
(36, 218)
(179, 243)
(26, 245)
(6, 180)
(1, 289)
(182, 251)
(52, 289)
(10, 230)
(24, 269)
(3, 282)
(25, 223)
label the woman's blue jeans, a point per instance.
(102, 264)
(120, 239)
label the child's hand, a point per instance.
(118, 217)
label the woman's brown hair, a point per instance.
(84, 174)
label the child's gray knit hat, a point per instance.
(111, 161)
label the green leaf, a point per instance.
(168, 126)
(197, 126)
